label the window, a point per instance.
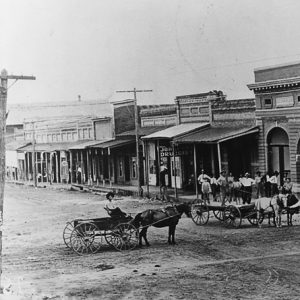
(267, 102)
(195, 110)
(298, 99)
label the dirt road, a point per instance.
(209, 262)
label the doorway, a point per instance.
(278, 153)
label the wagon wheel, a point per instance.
(110, 238)
(252, 218)
(85, 238)
(219, 214)
(199, 212)
(232, 216)
(124, 237)
(67, 234)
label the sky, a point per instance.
(93, 48)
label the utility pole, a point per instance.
(136, 118)
(3, 101)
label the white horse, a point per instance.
(268, 205)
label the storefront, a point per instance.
(162, 150)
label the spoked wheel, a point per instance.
(253, 219)
(67, 234)
(199, 212)
(232, 216)
(110, 238)
(124, 237)
(219, 214)
(85, 238)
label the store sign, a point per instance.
(168, 152)
(286, 101)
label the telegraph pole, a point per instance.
(3, 101)
(136, 119)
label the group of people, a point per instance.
(240, 189)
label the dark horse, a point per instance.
(168, 216)
(285, 202)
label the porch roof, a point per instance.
(143, 131)
(176, 131)
(216, 134)
(113, 143)
(49, 147)
(86, 144)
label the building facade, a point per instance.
(277, 96)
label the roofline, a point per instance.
(277, 66)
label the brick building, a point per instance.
(211, 133)
(277, 96)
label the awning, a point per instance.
(143, 131)
(216, 134)
(85, 145)
(49, 147)
(176, 131)
(114, 143)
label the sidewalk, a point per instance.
(122, 190)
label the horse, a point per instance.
(168, 216)
(288, 202)
(267, 205)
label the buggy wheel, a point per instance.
(232, 216)
(199, 212)
(124, 237)
(253, 219)
(110, 238)
(219, 214)
(67, 234)
(85, 238)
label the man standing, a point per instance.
(201, 179)
(222, 182)
(247, 182)
(230, 180)
(163, 187)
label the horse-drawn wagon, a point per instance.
(88, 235)
(231, 215)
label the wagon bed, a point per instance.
(88, 235)
(231, 215)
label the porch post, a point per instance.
(212, 159)
(77, 165)
(41, 163)
(147, 166)
(219, 157)
(56, 163)
(46, 154)
(195, 171)
(158, 161)
(27, 168)
(82, 168)
(174, 167)
(88, 166)
(71, 166)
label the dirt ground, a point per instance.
(208, 262)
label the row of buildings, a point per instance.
(95, 143)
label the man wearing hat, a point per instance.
(112, 210)
(222, 182)
(247, 183)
